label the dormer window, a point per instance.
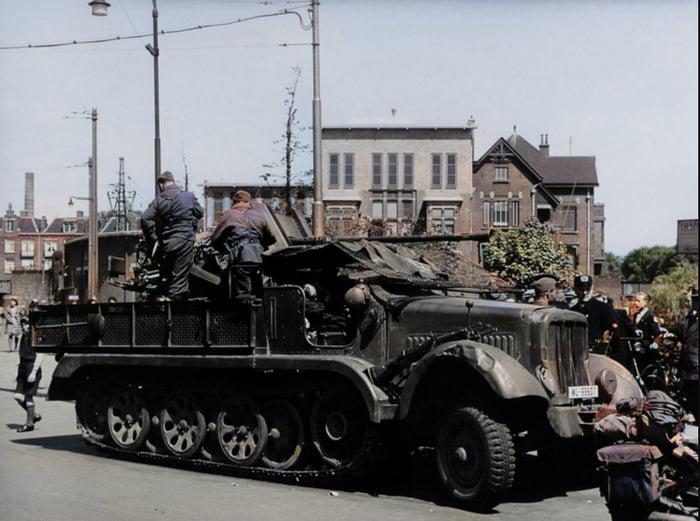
(9, 225)
(70, 227)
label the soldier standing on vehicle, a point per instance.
(244, 234)
(172, 219)
(646, 328)
(600, 315)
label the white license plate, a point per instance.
(583, 392)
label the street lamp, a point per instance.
(99, 8)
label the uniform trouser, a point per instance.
(176, 263)
(244, 280)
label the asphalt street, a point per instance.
(51, 475)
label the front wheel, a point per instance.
(475, 458)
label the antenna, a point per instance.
(117, 200)
(393, 116)
(571, 144)
(184, 162)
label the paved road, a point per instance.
(51, 475)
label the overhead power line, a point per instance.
(144, 35)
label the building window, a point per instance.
(487, 214)
(27, 249)
(569, 220)
(49, 248)
(9, 265)
(392, 209)
(515, 214)
(407, 210)
(69, 227)
(342, 220)
(408, 170)
(218, 207)
(377, 170)
(334, 181)
(436, 181)
(500, 213)
(27, 264)
(393, 166)
(501, 175)
(10, 226)
(9, 246)
(451, 170)
(349, 179)
(377, 210)
(442, 219)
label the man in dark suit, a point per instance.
(602, 322)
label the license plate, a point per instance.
(578, 392)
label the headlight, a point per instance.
(547, 380)
(606, 381)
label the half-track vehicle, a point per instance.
(350, 343)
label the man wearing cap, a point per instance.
(244, 234)
(543, 287)
(172, 219)
(601, 315)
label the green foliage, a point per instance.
(669, 291)
(647, 263)
(613, 263)
(519, 255)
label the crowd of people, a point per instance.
(637, 338)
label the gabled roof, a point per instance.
(56, 225)
(557, 170)
(27, 224)
(530, 157)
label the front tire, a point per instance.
(475, 458)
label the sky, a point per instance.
(615, 79)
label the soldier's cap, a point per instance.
(241, 196)
(166, 176)
(583, 282)
(544, 283)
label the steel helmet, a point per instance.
(357, 296)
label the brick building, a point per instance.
(515, 182)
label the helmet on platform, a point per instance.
(357, 297)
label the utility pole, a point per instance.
(92, 223)
(318, 209)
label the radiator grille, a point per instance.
(568, 345)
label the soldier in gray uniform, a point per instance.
(172, 219)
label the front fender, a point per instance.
(506, 377)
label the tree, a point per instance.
(669, 291)
(519, 255)
(292, 146)
(646, 263)
(613, 263)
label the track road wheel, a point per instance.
(91, 408)
(285, 437)
(182, 425)
(339, 427)
(241, 431)
(128, 421)
(475, 458)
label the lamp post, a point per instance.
(99, 8)
(92, 230)
(318, 209)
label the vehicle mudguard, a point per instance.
(505, 376)
(627, 386)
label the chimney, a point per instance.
(29, 194)
(544, 145)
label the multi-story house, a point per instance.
(407, 180)
(515, 182)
